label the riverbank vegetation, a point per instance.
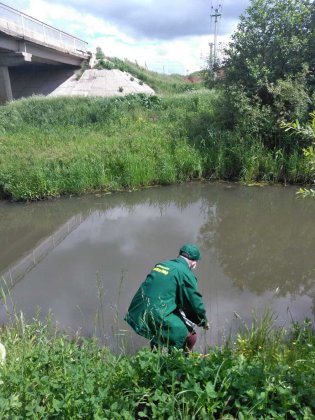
(307, 131)
(266, 372)
(267, 79)
(56, 146)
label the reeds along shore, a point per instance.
(263, 372)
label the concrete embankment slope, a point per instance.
(62, 81)
(102, 83)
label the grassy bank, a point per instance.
(266, 373)
(50, 147)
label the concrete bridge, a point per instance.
(34, 57)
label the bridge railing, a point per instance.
(15, 22)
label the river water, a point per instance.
(83, 258)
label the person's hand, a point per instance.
(206, 326)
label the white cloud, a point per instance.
(169, 53)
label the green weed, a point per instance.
(267, 373)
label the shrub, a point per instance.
(104, 64)
(290, 98)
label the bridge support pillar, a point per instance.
(5, 85)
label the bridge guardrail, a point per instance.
(16, 22)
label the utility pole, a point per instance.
(211, 62)
(216, 14)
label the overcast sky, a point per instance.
(166, 35)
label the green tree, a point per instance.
(99, 53)
(274, 40)
(270, 71)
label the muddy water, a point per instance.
(84, 258)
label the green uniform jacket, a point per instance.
(154, 310)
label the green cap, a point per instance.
(190, 251)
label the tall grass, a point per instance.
(56, 146)
(264, 373)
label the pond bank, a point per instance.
(64, 146)
(265, 373)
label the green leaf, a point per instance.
(210, 390)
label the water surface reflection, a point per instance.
(258, 249)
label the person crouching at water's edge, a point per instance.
(168, 303)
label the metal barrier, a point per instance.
(15, 22)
